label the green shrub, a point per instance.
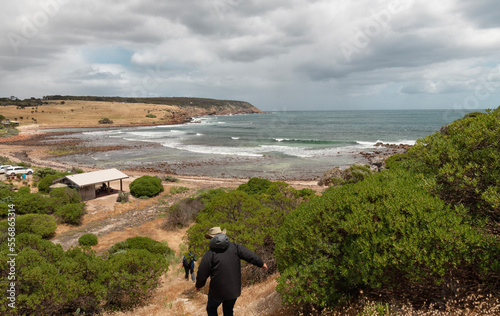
(132, 277)
(464, 159)
(394, 160)
(24, 190)
(255, 186)
(4, 185)
(51, 281)
(236, 211)
(209, 195)
(123, 197)
(105, 120)
(151, 115)
(4, 210)
(46, 182)
(63, 196)
(88, 240)
(171, 179)
(38, 224)
(71, 213)
(34, 203)
(337, 176)
(54, 282)
(146, 186)
(178, 190)
(384, 232)
(144, 243)
(250, 219)
(43, 172)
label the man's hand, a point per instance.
(264, 267)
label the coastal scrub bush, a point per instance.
(255, 186)
(43, 172)
(123, 197)
(146, 186)
(151, 115)
(52, 281)
(105, 120)
(33, 203)
(337, 176)
(7, 186)
(250, 219)
(237, 212)
(63, 196)
(145, 243)
(178, 190)
(170, 179)
(71, 213)
(464, 159)
(46, 182)
(24, 190)
(384, 232)
(38, 224)
(88, 240)
(132, 277)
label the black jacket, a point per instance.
(223, 266)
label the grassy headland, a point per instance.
(74, 111)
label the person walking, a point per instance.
(188, 264)
(222, 263)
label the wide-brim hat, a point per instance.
(214, 231)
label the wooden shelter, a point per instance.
(86, 183)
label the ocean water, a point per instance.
(277, 145)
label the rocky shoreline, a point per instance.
(48, 150)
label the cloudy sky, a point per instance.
(278, 55)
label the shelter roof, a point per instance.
(94, 177)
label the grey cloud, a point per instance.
(483, 13)
(88, 74)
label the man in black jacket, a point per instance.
(222, 264)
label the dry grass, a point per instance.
(88, 113)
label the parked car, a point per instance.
(18, 170)
(3, 168)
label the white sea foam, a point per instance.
(235, 138)
(102, 132)
(219, 150)
(372, 144)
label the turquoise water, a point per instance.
(278, 144)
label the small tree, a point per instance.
(146, 186)
(88, 240)
(105, 120)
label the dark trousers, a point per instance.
(227, 306)
(189, 270)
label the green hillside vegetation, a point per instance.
(251, 214)
(146, 186)
(426, 230)
(63, 203)
(51, 281)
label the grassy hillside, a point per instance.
(56, 111)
